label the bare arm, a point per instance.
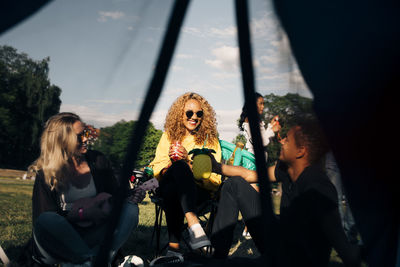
(248, 175)
(271, 173)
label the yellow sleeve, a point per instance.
(161, 159)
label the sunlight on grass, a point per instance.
(15, 226)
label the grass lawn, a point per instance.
(15, 225)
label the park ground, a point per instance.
(15, 224)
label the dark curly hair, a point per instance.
(308, 133)
(244, 114)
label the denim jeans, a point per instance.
(59, 241)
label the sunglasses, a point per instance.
(84, 134)
(190, 114)
(90, 133)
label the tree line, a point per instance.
(28, 99)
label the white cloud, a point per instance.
(213, 32)
(193, 31)
(184, 56)
(105, 15)
(224, 32)
(265, 27)
(226, 58)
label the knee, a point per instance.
(232, 183)
(48, 223)
(130, 213)
(47, 218)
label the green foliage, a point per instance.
(114, 140)
(27, 100)
(240, 138)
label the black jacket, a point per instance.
(45, 199)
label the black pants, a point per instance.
(181, 195)
(237, 195)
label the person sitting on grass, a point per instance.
(190, 123)
(72, 195)
(309, 223)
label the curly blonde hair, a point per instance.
(175, 128)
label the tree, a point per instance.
(113, 141)
(27, 100)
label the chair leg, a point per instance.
(157, 228)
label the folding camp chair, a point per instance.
(206, 212)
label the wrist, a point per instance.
(217, 168)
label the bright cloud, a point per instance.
(224, 32)
(226, 58)
(213, 32)
(105, 15)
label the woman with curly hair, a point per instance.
(190, 123)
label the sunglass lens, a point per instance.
(199, 114)
(189, 114)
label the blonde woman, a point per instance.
(72, 196)
(190, 123)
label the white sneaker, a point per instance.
(131, 261)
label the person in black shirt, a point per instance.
(309, 223)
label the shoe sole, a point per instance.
(200, 244)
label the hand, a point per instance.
(177, 152)
(94, 209)
(276, 127)
(136, 195)
(215, 166)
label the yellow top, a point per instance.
(161, 159)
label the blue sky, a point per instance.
(102, 54)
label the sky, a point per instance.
(102, 54)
